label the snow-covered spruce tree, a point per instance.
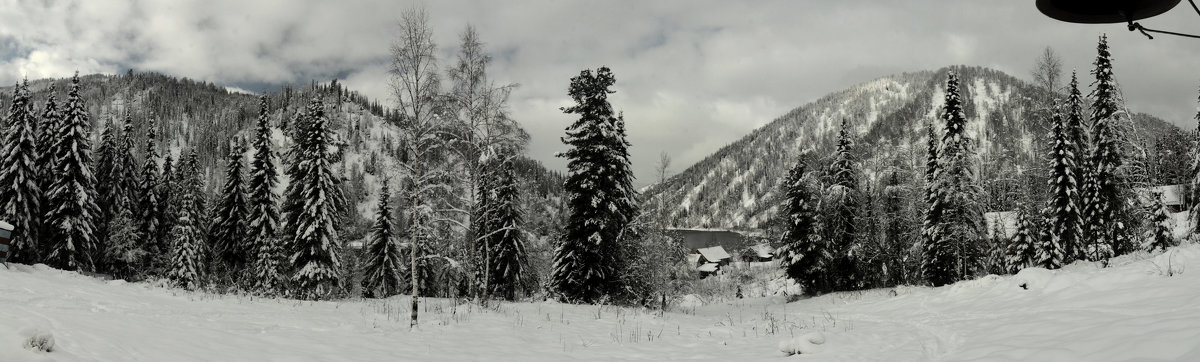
(1066, 219)
(1023, 248)
(106, 156)
(933, 207)
(1194, 216)
(169, 212)
(600, 195)
(122, 248)
(1074, 129)
(263, 213)
(1103, 205)
(839, 215)
(506, 242)
(190, 180)
(148, 206)
(73, 193)
(314, 258)
(805, 256)
(957, 194)
(228, 234)
(384, 262)
(187, 245)
(47, 134)
(126, 183)
(1158, 234)
(20, 197)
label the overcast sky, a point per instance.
(692, 76)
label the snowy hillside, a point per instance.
(738, 186)
(1143, 307)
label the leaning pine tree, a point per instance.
(263, 213)
(315, 243)
(228, 234)
(956, 193)
(384, 262)
(1103, 204)
(20, 197)
(600, 194)
(73, 193)
(804, 253)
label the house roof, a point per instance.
(693, 259)
(715, 253)
(708, 267)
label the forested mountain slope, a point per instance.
(739, 185)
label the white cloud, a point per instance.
(691, 75)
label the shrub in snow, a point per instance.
(38, 339)
(802, 344)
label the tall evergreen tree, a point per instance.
(1158, 234)
(264, 214)
(805, 256)
(1195, 211)
(506, 243)
(1103, 204)
(20, 197)
(47, 135)
(229, 230)
(149, 207)
(1066, 219)
(933, 209)
(105, 186)
(1074, 130)
(840, 212)
(1023, 249)
(384, 263)
(73, 193)
(600, 193)
(315, 254)
(187, 245)
(957, 194)
(168, 205)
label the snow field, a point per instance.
(1141, 307)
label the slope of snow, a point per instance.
(1142, 307)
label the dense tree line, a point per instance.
(1087, 210)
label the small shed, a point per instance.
(1172, 196)
(6, 230)
(758, 252)
(715, 254)
(709, 260)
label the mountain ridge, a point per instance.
(737, 186)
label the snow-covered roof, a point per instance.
(707, 267)
(1002, 222)
(715, 253)
(693, 259)
(5, 226)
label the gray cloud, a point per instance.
(692, 75)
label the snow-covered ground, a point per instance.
(1143, 307)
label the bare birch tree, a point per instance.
(416, 87)
(1047, 70)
